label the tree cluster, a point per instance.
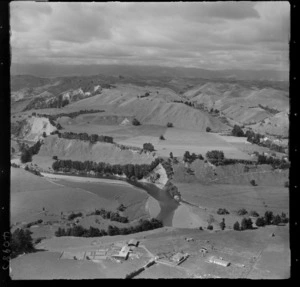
(148, 147)
(215, 156)
(130, 170)
(74, 215)
(28, 225)
(79, 231)
(113, 216)
(255, 138)
(21, 242)
(189, 158)
(237, 131)
(85, 137)
(135, 122)
(70, 115)
(222, 211)
(274, 162)
(27, 152)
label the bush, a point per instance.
(74, 215)
(135, 122)
(148, 147)
(287, 184)
(161, 137)
(169, 125)
(210, 227)
(246, 224)
(277, 220)
(236, 226)
(208, 129)
(253, 182)
(253, 213)
(222, 224)
(237, 131)
(55, 157)
(269, 217)
(260, 222)
(242, 211)
(222, 211)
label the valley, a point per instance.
(92, 156)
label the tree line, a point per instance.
(130, 170)
(70, 115)
(79, 231)
(268, 219)
(85, 137)
(107, 214)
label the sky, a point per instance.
(207, 35)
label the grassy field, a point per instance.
(178, 141)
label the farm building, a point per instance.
(179, 257)
(133, 242)
(123, 254)
(219, 261)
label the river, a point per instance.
(110, 190)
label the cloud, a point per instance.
(219, 35)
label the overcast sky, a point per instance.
(220, 35)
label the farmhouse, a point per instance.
(219, 261)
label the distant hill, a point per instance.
(43, 70)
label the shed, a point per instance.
(219, 261)
(133, 242)
(178, 257)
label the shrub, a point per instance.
(236, 226)
(253, 213)
(55, 157)
(253, 182)
(208, 129)
(161, 137)
(287, 184)
(135, 122)
(148, 147)
(237, 131)
(222, 224)
(246, 224)
(277, 220)
(44, 134)
(269, 217)
(222, 211)
(169, 125)
(210, 227)
(242, 211)
(260, 221)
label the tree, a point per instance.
(148, 147)
(44, 134)
(161, 137)
(237, 131)
(222, 224)
(236, 226)
(254, 213)
(169, 125)
(208, 129)
(242, 211)
(286, 184)
(260, 222)
(210, 227)
(21, 242)
(26, 156)
(171, 155)
(222, 211)
(135, 122)
(253, 182)
(277, 220)
(269, 217)
(55, 157)
(244, 224)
